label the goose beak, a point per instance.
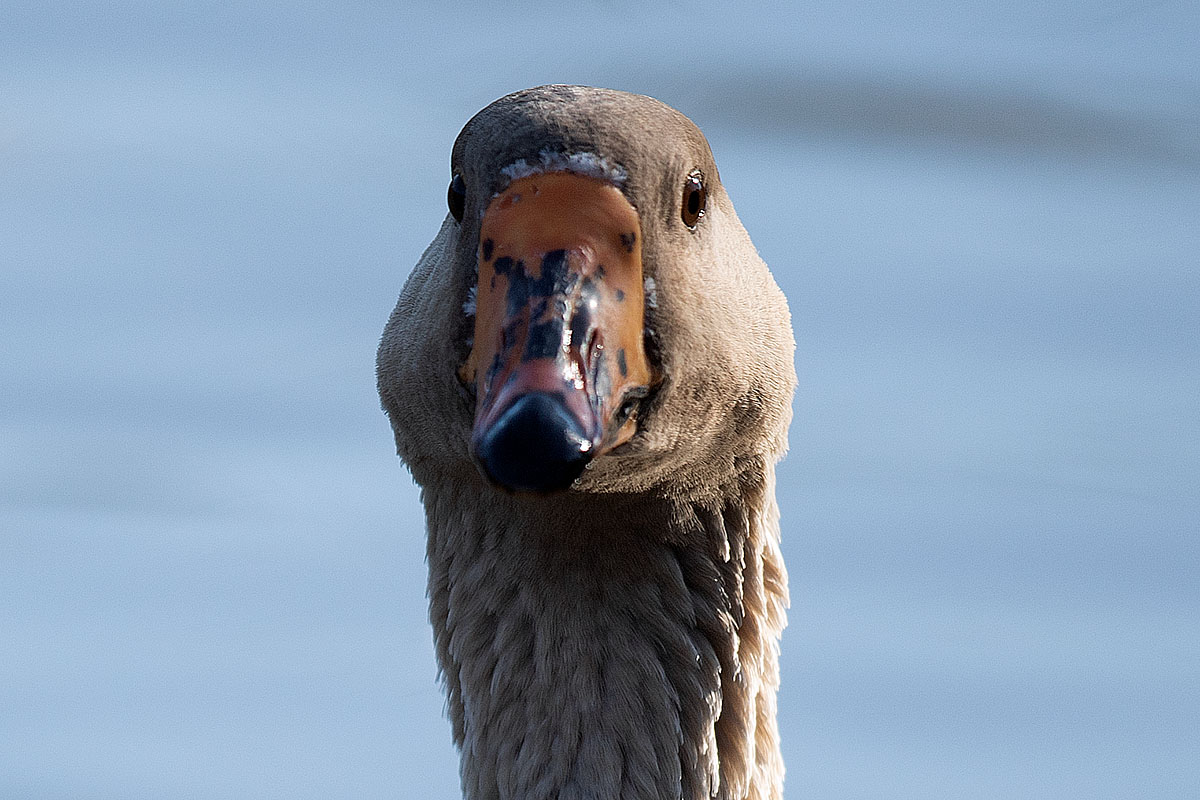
(558, 360)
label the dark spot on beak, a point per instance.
(544, 340)
(628, 240)
(621, 365)
(488, 244)
(620, 296)
(554, 263)
(503, 265)
(581, 323)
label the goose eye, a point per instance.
(456, 197)
(695, 196)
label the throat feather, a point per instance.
(626, 656)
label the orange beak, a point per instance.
(558, 359)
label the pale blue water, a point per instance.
(987, 218)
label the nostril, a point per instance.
(536, 445)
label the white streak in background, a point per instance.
(588, 164)
(469, 303)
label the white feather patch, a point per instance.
(651, 289)
(588, 164)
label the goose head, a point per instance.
(592, 317)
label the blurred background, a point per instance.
(986, 216)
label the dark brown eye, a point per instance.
(695, 197)
(456, 197)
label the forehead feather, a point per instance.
(632, 135)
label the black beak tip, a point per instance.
(536, 445)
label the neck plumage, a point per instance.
(610, 648)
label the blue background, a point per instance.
(986, 216)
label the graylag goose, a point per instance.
(589, 374)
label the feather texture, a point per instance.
(593, 661)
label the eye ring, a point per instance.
(695, 199)
(456, 197)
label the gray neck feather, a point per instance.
(600, 647)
